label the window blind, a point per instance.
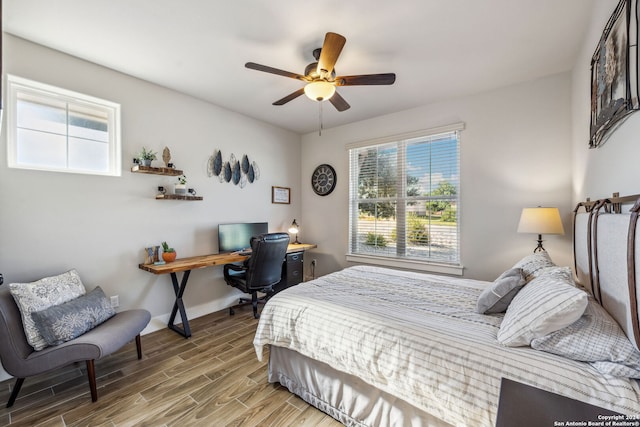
(404, 197)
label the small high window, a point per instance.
(55, 129)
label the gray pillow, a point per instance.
(595, 338)
(64, 322)
(497, 297)
(42, 294)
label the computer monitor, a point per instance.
(237, 236)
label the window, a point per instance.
(58, 130)
(404, 201)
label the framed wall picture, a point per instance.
(614, 73)
(281, 195)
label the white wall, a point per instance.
(524, 145)
(52, 222)
(515, 153)
(613, 167)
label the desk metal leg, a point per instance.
(185, 331)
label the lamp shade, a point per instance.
(540, 220)
(320, 90)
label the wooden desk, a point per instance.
(185, 265)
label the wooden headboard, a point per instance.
(605, 244)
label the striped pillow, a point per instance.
(546, 304)
(595, 338)
(533, 265)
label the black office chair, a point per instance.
(261, 271)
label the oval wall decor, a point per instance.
(236, 173)
(227, 171)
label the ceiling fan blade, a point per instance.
(339, 102)
(366, 79)
(331, 48)
(289, 97)
(266, 69)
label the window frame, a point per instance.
(454, 268)
(19, 85)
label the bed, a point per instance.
(372, 346)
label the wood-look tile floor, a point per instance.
(210, 379)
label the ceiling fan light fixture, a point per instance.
(320, 90)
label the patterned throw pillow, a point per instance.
(497, 297)
(546, 304)
(564, 273)
(64, 322)
(596, 337)
(42, 294)
(534, 264)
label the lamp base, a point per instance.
(296, 242)
(539, 248)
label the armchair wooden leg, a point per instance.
(139, 346)
(91, 373)
(14, 392)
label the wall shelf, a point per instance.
(168, 172)
(156, 171)
(176, 197)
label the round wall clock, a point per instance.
(323, 180)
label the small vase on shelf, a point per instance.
(168, 254)
(181, 187)
(146, 156)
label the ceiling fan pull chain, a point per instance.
(320, 118)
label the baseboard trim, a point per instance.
(161, 321)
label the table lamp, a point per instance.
(540, 221)
(294, 230)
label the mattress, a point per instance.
(417, 337)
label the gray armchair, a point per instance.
(21, 361)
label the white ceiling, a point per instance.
(438, 49)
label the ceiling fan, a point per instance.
(321, 77)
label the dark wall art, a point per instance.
(240, 172)
(614, 73)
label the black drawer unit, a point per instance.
(292, 271)
(293, 267)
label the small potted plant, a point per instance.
(168, 254)
(146, 156)
(181, 186)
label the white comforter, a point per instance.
(417, 337)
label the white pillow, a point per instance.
(42, 294)
(565, 273)
(534, 264)
(546, 304)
